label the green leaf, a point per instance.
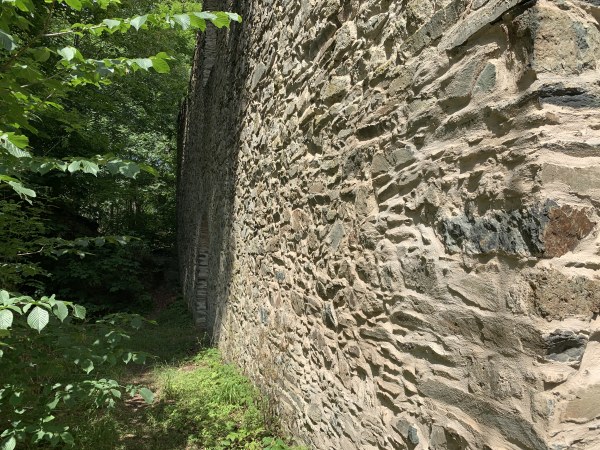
(79, 311)
(24, 5)
(221, 20)
(116, 393)
(143, 63)
(160, 65)
(90, 167)
(111, 23)
(16, 399)
(123, 240)
(9, 444)
(22, 190)
(18, 140)
(41, 54)
(74, 166)
(129, 169)
(234, 16)
(14, 144)
(82, 242)
(75, 4)
(15, 151)
(149, 169)
(53, 403)
(6, 319)
(138, 21)
(87, 366)
(113, 166)
(61, 311)
(4, 297)
(68, 53)
(197, 22)
(38, 318)
(183, 20)
(67, 438)
(205, 15)
(147, 395)
(7, 41)
(136, 323)
(83, 165)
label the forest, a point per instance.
(97, 350)
(282, 225)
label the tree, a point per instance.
(35, 75)
(50, 60)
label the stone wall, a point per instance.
(401, 199)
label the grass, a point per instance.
(200, 402)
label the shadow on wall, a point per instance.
(210, 122)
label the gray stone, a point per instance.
(518, 232)
(570, 97)
(586, 405)
(379, 164)
(257, 76)
(335, 89)
(479, 3)
(462, 83)
(336, 235)
(413, 435)
(487, 78)
(511, 425)
(329, 315)
(345, 37)
(264, 316)
(565, 346)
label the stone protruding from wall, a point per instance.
(401, 201)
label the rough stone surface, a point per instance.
(388, 216)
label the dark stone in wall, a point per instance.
(547, 230)
(570, 97)
(517, 232)
(565, 346)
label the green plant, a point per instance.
(110, 279)
(55, 56)
(200, 402)
(57, 370)
(215, 405)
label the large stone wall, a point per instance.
(401, 207)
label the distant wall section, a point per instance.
(401, 203)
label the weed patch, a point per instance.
(200, 402)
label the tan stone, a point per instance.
(585, 406)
